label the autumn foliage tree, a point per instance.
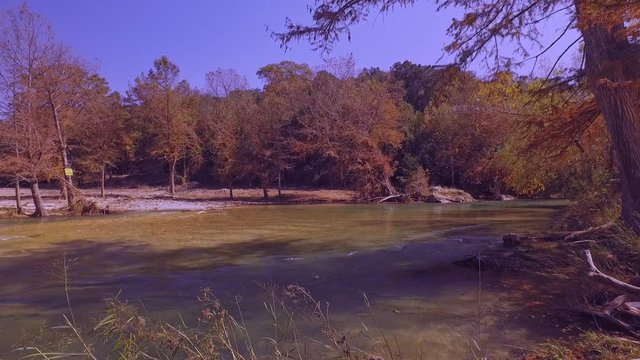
(100, 140)
(28, 54)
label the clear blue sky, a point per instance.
(123, 37)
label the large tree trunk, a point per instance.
(37, 200)
(172, 177)
(102, 176)
(18, 198)
(68, 181)
(613, 70)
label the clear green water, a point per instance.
(399, 255)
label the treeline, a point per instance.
(374, 131)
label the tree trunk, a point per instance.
(230, 191)
(102, 178)
(184, 172)
(280, 184)
(172, 177)
(63, 190)
(68, 181)
(613, 70)
(18, 198)
(37, 200)
(265, 185)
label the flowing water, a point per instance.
(400, 256)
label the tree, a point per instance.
(610, 35)
(341, 67)
(30, 147)
(350, 131)
(424, 84)
(27, 48)
(222, 128)
(285, 94)
(99, 140)
(168, 106)
(222, 82)
(66, 89)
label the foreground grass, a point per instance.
(590, 346)
(124, 333)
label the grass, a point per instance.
(590, 346)
(124, 333)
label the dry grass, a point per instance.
(125, 333)
(590, 346)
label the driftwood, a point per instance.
(391, 197)
(606, 314)
(577, 235)
(619, 304)
(595, 272)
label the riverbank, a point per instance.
(587, 277)
(186, 199)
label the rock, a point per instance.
(504, 197)
(499, 260)
(447, 195)
(511, 240)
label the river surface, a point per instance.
(399, 255)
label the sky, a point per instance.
(122, 38)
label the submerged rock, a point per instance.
(448, 195)
(511, 240)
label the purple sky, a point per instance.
(123, 37)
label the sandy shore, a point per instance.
(186, 199)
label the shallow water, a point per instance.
(399, 255)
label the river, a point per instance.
(399, 255)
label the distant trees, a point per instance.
(374, 131)
(313, 128)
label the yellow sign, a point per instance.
(68, 172)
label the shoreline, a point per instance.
(149, 198)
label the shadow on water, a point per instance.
(415, 290)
